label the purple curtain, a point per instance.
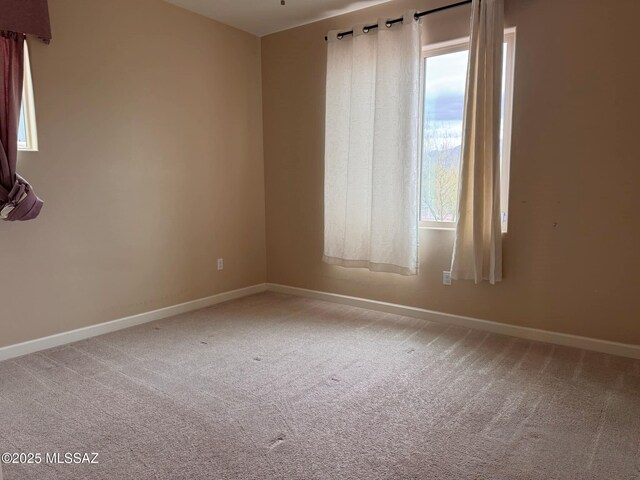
(17, 199)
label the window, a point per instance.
(444, 76)
(27, 133)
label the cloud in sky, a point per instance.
(448, 106)
(445, 79)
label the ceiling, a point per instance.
(262, 17)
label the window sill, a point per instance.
(429, 227)
(448, 229)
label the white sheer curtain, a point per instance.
(371, 148)
(477, 253)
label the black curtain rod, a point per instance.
(398, 20)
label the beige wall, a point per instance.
(572, 254)
(150, 165)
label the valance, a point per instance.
(26, 16)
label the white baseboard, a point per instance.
(587, 343)
(31, 346)
(604, 346)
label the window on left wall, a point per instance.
(27, 132)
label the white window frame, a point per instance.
(458, 45)
(28, 108)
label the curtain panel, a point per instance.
(17, 199)
(477, 253)
(371, 148)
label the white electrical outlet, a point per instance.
(221, 264)
(446, 278)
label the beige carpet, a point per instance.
(278, 387)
